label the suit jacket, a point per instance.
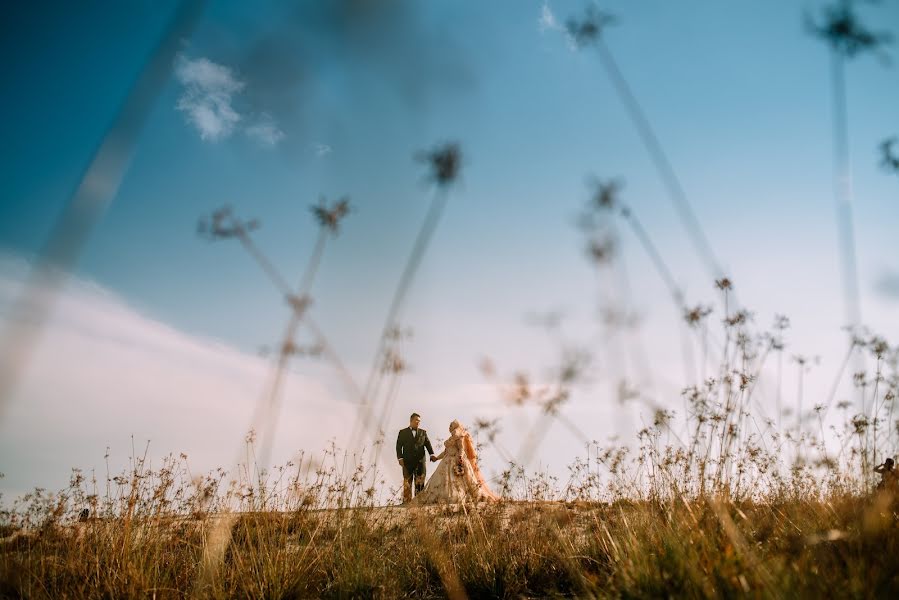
(412, 449)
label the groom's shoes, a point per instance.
(407, 491)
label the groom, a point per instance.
(410, 452)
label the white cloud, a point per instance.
(265, 131)
(209, 89)
(103, 371)
(208, 102)
(547, 20)
(323, 150)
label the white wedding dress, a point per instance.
(457, 478)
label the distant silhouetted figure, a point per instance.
(889, 478)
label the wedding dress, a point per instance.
(457, 478)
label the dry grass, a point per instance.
(325, 538)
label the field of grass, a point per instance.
(322, 534)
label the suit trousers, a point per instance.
(413, 474)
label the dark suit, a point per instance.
(411, 448)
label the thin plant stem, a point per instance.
(660, 161)
(843, 191)
(419, 248)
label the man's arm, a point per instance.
(428, 444)
(399, 446)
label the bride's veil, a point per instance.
(469, 447)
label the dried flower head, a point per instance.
(394, 362)
(329, 217)
(879, 347)
(601, 250)
(605, 193)
(445, 161)
(661, 417)
(843, 31)
(694, 316)
(574, 364)
(738, 318)
(859, 424)
(222, 224)
(724, 284)
(299, 303)
(889, 160)
(489, 427)
(775, 342)
(552, 404)
(589, 28)
(520, 391)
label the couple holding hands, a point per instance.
(457, 477)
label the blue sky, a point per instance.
(738, 93)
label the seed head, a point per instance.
(520, 391)
(694, 316)
(329, 217)
(601, 250)
(222, 224)
(889, 159)
(605, 193)
(845, 34)
(445, 162)
(394, 362)
(489, 427)
(879, 347)
(661, 417)
(552, 405)
(738, 318)
(588, 29)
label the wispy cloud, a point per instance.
(322, 150)
(105, 371)
(208, 102)
(547, 20)
(209, 89)
(265, 131)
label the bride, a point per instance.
(457, 478)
